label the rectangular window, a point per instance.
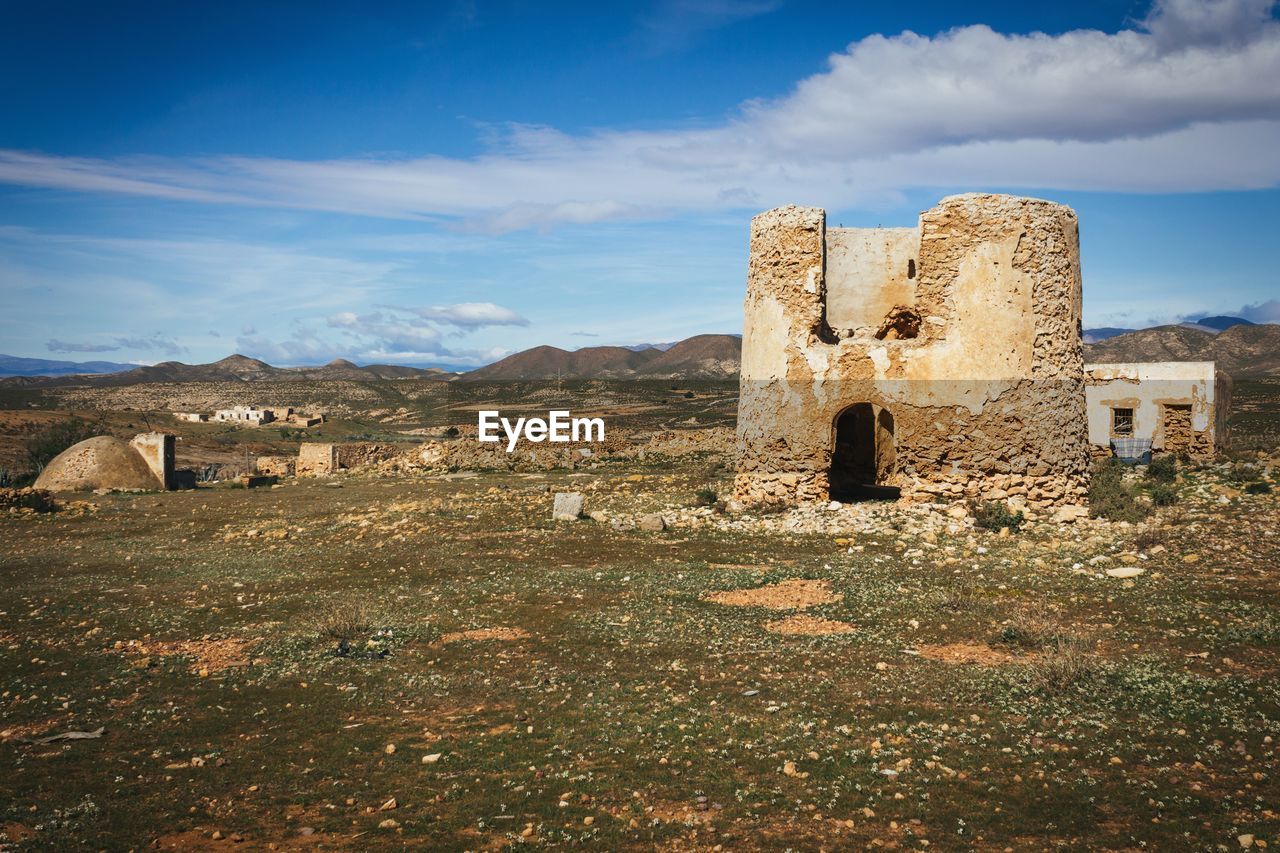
(1122, 421)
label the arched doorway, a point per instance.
(862, 457)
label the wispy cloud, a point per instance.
(1185, 100)
(673, 25)
(155, 342)
(56, 345)
(1261, 312)
(471, 315)
(407, 334)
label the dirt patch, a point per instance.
(966, 653)
(685, 813)
(808, 626)
(788, 595)
(207, 655)
(17, 832)
(505, 635)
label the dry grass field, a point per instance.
(377, 661)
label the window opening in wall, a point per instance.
(911, 268)
(1122, 421)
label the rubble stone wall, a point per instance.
(315, 458)
(981, 370)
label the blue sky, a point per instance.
(443, 183)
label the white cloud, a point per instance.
(471, 315)
(1261, 312)
(403, 334)
(1185, 100)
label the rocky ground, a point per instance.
(414, 658)
(412, 654)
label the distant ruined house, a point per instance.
(1176, 407)
(938, 362)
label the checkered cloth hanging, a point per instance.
(1130, 449)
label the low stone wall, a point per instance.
(276, 466)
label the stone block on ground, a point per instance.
(567, 506)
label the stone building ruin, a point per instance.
(938, 362)
(1175, 407)
(144, 463)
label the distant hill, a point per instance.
(233, 368)
(12, 365)
(1092, 336)
(1242, 349)
(1220, 323)
(699, 357)
(1212, 324)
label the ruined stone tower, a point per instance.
(942, 361)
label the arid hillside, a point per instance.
(1242, 350)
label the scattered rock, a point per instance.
(567, 506)
(1126, 572)
(652, 522)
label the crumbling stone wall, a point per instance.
(276, 466)
(982, 375)
(357, 455)
(315, 459)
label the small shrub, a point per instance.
(1163, 494)
(1262, 487)
(995, 515)
(1109, 497)
(348, 620)
(1064, 663)
(1150, 538)
(1163, 469)
(707, 496)
(1033, 626)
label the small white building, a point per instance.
(192, 417)
(245, 414)
(1175, 407)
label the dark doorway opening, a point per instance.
(863, 458)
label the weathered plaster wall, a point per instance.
(156, 449)
(987, 399)
(869, 271)
(1150, 390)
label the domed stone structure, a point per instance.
(107, 462)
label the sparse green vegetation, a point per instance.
(1163, 469)
(1109, 496)
(503, 674)
(996, 515)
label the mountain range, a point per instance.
(1205, 324)
(12, 365)
(701, 357)
(1240, 349)
(1243, 349)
